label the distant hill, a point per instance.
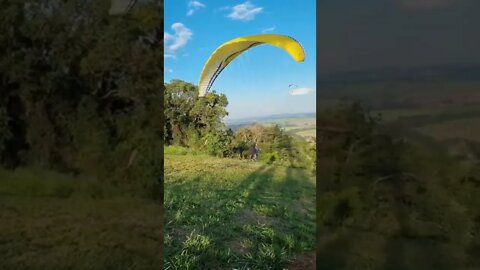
(466, 72)
(427, 104)
(268, 118)
(298, 124)
(413, 88)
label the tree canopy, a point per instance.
(81, 90)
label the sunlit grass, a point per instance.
(225, 213)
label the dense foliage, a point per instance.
(397, 187)
(196, 123)
(81, 91)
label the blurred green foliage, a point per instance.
(81, 91)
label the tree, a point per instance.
(186, 113)
(80, 90)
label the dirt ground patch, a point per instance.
(241, 247)
(305, 261)
(302, 205)
(247, 216)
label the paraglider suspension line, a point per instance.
(226, 60)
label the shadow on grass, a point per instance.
(345, 247)
(226, 216)
(291, 198)
(333, 249)
(255, 182)
(51, 233)
(406, 250)
(216, 208)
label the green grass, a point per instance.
(303, 127)
(54, 221)
(35, 182)
(356, 249)
(302, 131)
(225, 214)
(178, 150)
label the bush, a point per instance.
(34, 181)
(86, 111)
(219, 145)
(63, 191)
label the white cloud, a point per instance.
(194, 6)
(244, 12)
(269, 29)
(177, 40)
(300, 91)
(170, 70)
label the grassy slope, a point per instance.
(307, 132)
(48, 221)
(225, 213)
(356, 249)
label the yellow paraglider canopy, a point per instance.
(228, 51)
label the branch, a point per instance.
(132, 158)
(111, 92)
(404, 174)
(354, 144)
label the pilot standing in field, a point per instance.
(252, 152)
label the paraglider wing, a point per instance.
(228, 51)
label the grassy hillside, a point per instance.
(361, 249)
(227, 213)
(54, 221)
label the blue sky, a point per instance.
(257, 82)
